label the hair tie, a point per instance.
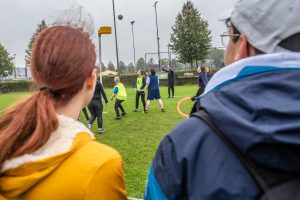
(49, 89)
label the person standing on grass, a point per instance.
(202, 82)
(96, 107)
(45, 153)
(140, 90)
(121, 96)
(171, 77)
(152, 85)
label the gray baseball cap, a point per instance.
(265, 22)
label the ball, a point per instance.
(120, 17)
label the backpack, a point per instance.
(275, 184)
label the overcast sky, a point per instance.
(18, 19)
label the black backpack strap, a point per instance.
(203, 115)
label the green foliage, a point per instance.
(130, 68)
(140, 65)
(6, 62)
(103, 67)
(111, 66)
(217, 56)
(41, 26)
(17, 86)
(122, 67)
(191, 37)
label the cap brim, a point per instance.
(225, 15)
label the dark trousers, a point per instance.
(137, 98)
(85, 114)
(96, 109)
(200, 91)
(171, 87)
(118, 105)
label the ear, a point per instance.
(91, 80)
(243, 48)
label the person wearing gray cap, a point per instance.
(243, 141)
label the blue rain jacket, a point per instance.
(256, 103)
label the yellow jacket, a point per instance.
(70, 166)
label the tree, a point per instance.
(190, 39)
(6, 62)
(104, 68)
(111, 66)
(131, 68)
(217, 57)
(140, 65)
(41, 26)
(122, 67)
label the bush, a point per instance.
(108, 82)
(17, 86)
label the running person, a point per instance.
(96, 107)
(152, 85)
(140, 90)
(86, 115)
(120, 93)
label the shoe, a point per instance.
(89, 126)
(163, 110)
(168, 97)
(136, 110)
(173, 97)
(118, 118)
(123, 114)
(145, 111)
(101, 130)
(193, 98)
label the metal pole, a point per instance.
(132, 22)
(145, 63)
(100, 59)
(116, 39)
(169, 56)
(158, 48)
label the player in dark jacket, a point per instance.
(171, 77)
(96, 107)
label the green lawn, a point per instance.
(137, 135)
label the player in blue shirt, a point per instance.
(152, 85)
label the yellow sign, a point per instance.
(104, 30)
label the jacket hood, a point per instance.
(20, 174)
(256, 103)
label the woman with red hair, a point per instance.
(45, 152)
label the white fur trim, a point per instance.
(59, 142)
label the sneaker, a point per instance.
(168, 97)
(136, 110)
(163, 110)
(145, 111)
(89, 126)
(118, 118)
(101, 130)
(123, 114)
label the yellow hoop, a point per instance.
(179, 104)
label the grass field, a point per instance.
(137, 135)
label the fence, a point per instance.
(18, 73)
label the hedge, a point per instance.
(17, 86)
(108, 82)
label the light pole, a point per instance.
(116, 38)
(157, 35)
(102, 30)
(132, 22)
